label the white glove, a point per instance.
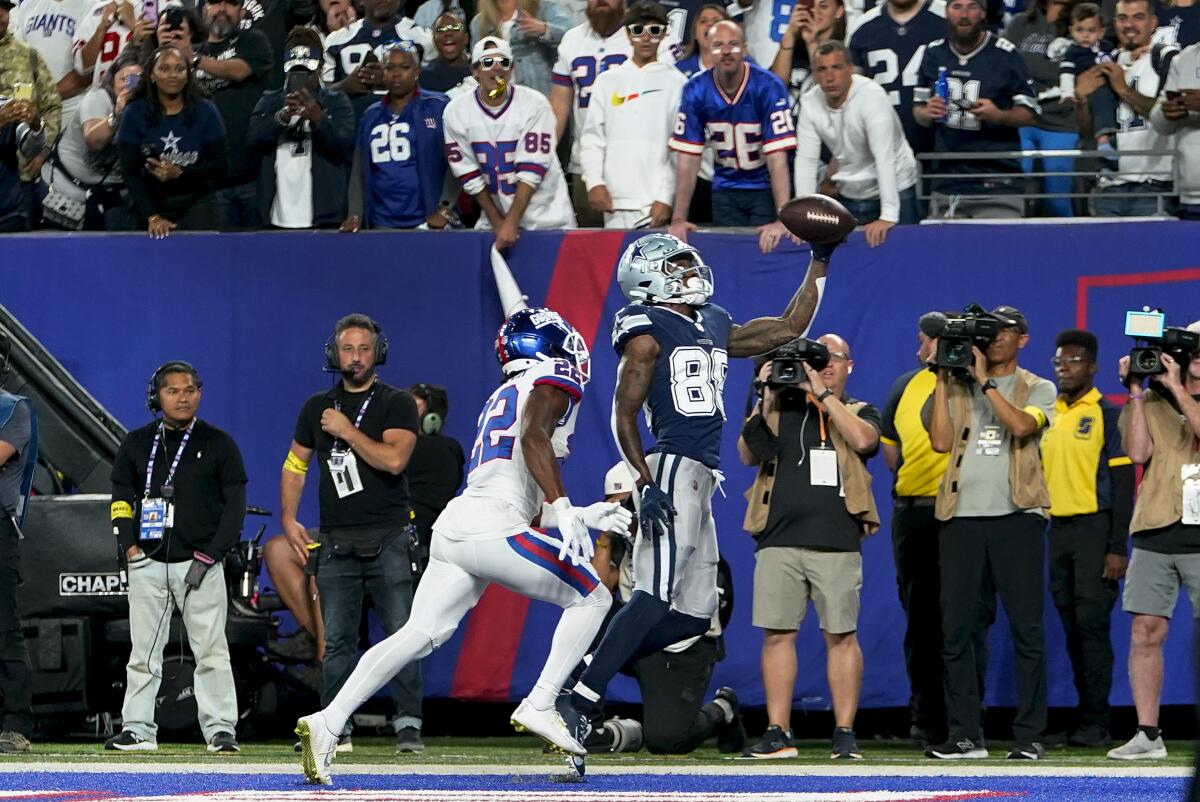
(576, 540)
(605, 516)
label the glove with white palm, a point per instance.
(605, 516)
(576, 540)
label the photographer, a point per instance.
(1159, 428)
(991, 502)
(178, 500)
(811, 442)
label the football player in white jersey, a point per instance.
(486, 535)
(104, 32)
(500, 144)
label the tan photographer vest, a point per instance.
(1160, 495)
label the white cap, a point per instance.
(619, 479)
(490, 46)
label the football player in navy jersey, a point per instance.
(675, 348)
(887, 44)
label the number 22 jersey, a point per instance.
(685, 407)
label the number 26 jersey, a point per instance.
(685, 407)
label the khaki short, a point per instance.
(786, 577)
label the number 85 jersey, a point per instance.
(685, 406)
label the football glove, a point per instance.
(655, 511)
(576, 540)
(605, 516)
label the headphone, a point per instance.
(437, 406)
(174, 366)
(353, 322)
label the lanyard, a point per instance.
(820, 417)
(158, 436)
(337, 405)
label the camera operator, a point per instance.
(1159, 428)
(435, 469)
(992, 503)
(178, 500)
(811, 442)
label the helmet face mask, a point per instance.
(664, 269)
(536, 335)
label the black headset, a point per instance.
(174, 366)
(381, 341)
(437, 406)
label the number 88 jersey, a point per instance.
(685, 406)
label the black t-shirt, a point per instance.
(209, 490)
(435, 471)
(801, 514)
(438, 76)
(236, 101)
(383, 501)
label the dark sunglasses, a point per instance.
(454, 26)
(654, 29)
(487, 62)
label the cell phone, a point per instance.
(805, 4)
(131, 81)
(1174, 94)
(295, 81)
(23, 90)
(370, 58)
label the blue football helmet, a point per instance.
(537, 334)
(650, 270)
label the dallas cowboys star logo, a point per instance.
(170, 142)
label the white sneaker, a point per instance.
(318, 746)
(1140, 748)
(547, 725)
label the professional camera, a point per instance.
(975, 326)
(785, 361)
(1153, 339)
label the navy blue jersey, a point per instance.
(685, 407)
(1079, 59)
(403, 162)
(1177, 25)
(345, 50)
(890, 53)
(994, 70)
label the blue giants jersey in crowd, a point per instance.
(403, 165)
(685, 407)
(743, 129)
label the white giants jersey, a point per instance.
(48, 26)
(494, 149)
(502, 497)
(115, 40)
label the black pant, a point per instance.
(15, 673)
(673, 685)
(1009, 548)
(1078, 546)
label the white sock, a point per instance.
(575, 631)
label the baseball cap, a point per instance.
(644, 11)
(619, 479)
(490, 46)
(1010, 316)
(302, 56)
(9, 4)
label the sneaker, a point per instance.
(129, 741)
(578, 726)
(1033, 751)
(845, 747)
(774, 744)
(731, 736)
(964, 749)
(408, 741)
(225, 743)
(1140, 748)
(318, 747)
(13, 743)
(547, 725)
(576, 768)
(1093, 736)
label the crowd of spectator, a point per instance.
(251, 114)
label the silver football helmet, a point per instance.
(660, 267)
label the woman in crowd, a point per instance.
(697, 57)
(808, 28)
(533, 27)
(172, 148)
(428, 12)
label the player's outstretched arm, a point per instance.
(765, 334)
(544, 409)
(633, 385)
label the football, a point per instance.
(817, 218)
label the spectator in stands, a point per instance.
(1179, 23)
(989, 98)
(626, 166)
(104, 34)
(453, 63)
(428, 12)
(751, 181)
(399, 168)
(1177, 113)
(1159, 429)
(83, 173)
(273, 19)
(22, 136)
(808, 28)
(333, 15)
(1033, 32)
(697, 55)
(851, 116)
(172, 147)
(304, 135)
(233, 68)
(528, 191)
(1087, 48)
(179, 26)
(48, 26)
(991, 503)
(807, 536)
(1136, 76)
(533, 29)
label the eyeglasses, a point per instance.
(839, 356)
(1059, 361)
(654, 30)
(487, 62)
(454, 26)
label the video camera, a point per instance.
(956, 335)
(1153, 338)
(787, 358)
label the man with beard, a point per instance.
(990, 98)
(273, 19)
(453, 64)
(585, 51)
(352, 55)
(362, 433)
(233, 67)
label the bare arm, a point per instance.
(234, 69)
(1136, 437)
(391, 455)
(633, 385)
(602, 561)
(545, 408)
(91, 48)
(768, 333)
(291, 486)
(941, 433)
(97, 134)
(891, 455)
(560, 102)
(862, 436)
(7, 451)
(687, 168)
(71, 84)
(520, 202)
(1018, 422)
(781, 184)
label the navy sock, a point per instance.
(675, 627)
(625, 634)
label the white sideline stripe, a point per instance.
(556, 796)
(734, 768)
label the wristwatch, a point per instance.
(196, 61)
(821, 398)
(987, 385)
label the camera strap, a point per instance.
(812, 399)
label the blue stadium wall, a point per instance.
(253, 311)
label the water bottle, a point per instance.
(941, 87)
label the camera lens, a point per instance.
(1146, 361)
(958, 354)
